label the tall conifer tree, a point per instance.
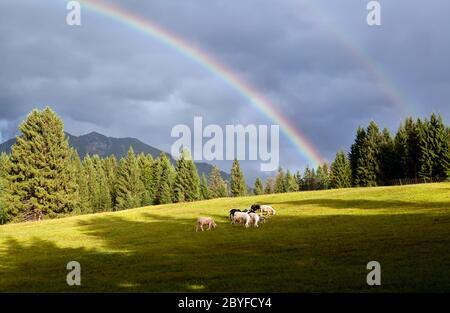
(204, 191)
(186, 186)
(41, 178)
(129, 187)
(165, 180)
(216, 185)
(4, 164)
(280, 181)
(341, 172)
(269, 186)
(145, 165)
(356, 155)
(387, 157)
(290, 183)
(237, 184)
(258, 188)
(83, 192)
(110, 167)
(102, 194)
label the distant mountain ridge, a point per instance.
(95, 143)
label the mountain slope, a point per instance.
(95, 143)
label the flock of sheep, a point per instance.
(247, 218)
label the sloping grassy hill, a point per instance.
(319, 241)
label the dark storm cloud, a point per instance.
(313, 59)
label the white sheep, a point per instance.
(242, 218)
(255, 219)
(267, 209)
(202, 221)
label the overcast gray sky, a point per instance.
(318, 61)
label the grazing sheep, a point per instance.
(255, 219)
(255, 208)
(242, 218)
(202, 221)
(232, 211)
(267, 209)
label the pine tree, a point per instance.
(434, 160)
(426, 151)
(145, 165)
(441, 146)
(269, 187)
(299, 180)
(110, 167)
(313, 179)
(129, 187)
(309, 179)
(97, 196)
(81, 179)
(165, 180)
(259, 189)
(155, 179)
(193, 190)
(41, 178)
(387, 157)
(280, 181)
(401, 153)
(181, 178)
(186, 186)
(371, 157)
(91, 186)
(204, 191)
(341, 172)
(216, 185)
(102, 194)
(356, 155)
(323, 176)
(319, 176)
(413, 151)
(326, 180)
(367, 162)
(4, 164)
(238, 187)
(290, 183)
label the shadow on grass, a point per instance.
(288, 254)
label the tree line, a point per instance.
(420, 150)
(44, 176)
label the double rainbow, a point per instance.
(208, 62)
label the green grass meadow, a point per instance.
(319, 241)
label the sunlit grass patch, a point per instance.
(318, 241)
